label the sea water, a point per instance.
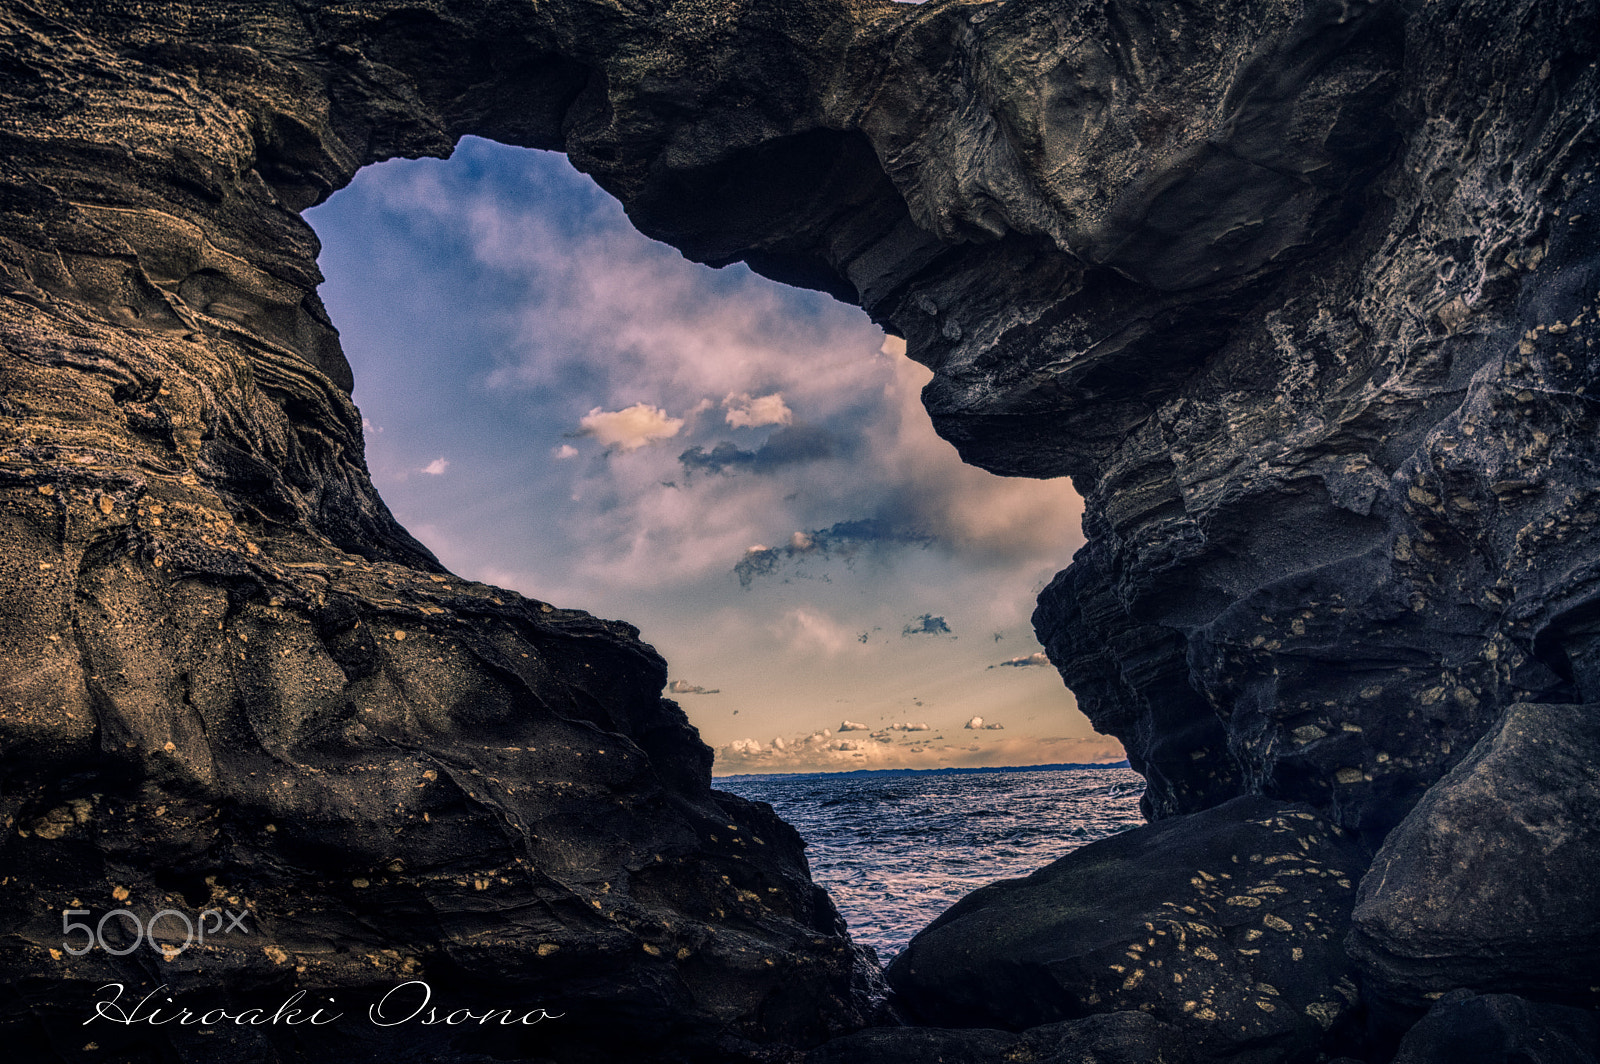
(896, 849)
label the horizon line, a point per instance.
(923, 771)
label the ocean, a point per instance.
(897, 848)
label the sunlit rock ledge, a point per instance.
(1302, 296)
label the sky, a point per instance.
(556, 404)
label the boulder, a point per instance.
(1492, 882)
(1464, 1028)
(1226, 925)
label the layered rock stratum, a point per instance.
(1301, 294)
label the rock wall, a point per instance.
(230, 681)
(1301, 293)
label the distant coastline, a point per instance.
(924, 771)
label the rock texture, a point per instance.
(1301, 293)
(1336, 539)
(1226, 925)
(228, 679)
(1490, 882)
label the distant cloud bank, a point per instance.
(824, 752)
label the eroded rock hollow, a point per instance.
(1301, 294)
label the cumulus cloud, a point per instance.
(436, 467)
(927, 624)
(630, 428)
(909, 727)
(565, 451)
(684, 687)
(977, 724)
(850, 725)
(1026, 661)
(744, 412)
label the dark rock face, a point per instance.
(230, 681)
(1490, 882)
(1224, 924)
(1500, 1029)
(1301, 294)
(1322, 553)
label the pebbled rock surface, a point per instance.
(1301, 293)
(1490, 882)
(1226, 925)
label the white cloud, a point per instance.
(977, 724)
(909, 727)
(747, 413)
(630, 428)
(851, 725)
(565, 451)
(1036, 658)
(436, 467)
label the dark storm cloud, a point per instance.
(788, 446)
(794, 444)
(720, 459)
(843, 541)
(927, 624)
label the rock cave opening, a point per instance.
(742, 469)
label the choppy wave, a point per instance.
(897, 849)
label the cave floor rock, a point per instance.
(1226, 925)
